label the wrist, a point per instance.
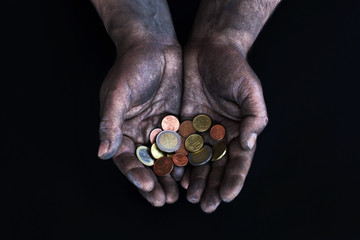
(226, 37)
(124, 39)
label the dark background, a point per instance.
(303, 183)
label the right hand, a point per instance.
(142, 87)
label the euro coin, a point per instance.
(219, 150)
(180, 159)
(217, 132)
(171, 123)
(163, 166)
(201, 123)
(186, 129)
(143, 155)
(153, 134)
(168, 141)
(155, 152)
(200, 157)
(194, 142)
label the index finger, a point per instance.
(239, 162)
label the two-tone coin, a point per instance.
(201, 123)
(194, 142)
(163, 166)
(143, 154)
(200, 157)
(219, 150)
(168, 141)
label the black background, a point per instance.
(303, 183)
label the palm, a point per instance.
(154, 98)
(142, 87)
(220, 83)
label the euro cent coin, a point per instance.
(200, 157)
(186, 129)
(182, 148)
(153, 134)
(217, 132)
(194, 143)
(201, 123)
(171, 123)
(144, 156)
(219, 150)
(180, 159)
(155, 152)
(168, 141)
(163, 166)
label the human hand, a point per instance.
(220, 83)
(142, 87)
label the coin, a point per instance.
(143, 155)
(219, 151)
(155, 152)
(170, 155)
(182, 148)
(170, 122)
(201, 123)
(200, 157)
(186, 129)
(194, 142)
(153, 134)
(217, 132)
(180, 159)
(168, 141)
(163, 166)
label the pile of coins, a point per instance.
(180, 144)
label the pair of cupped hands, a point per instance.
(150, 80)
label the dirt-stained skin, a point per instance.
(146, 83)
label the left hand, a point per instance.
(219, 82)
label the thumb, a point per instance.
(113, 110)
(253, 120)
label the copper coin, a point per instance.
(186, 129)
(180, 159)
(153, 134)
(163, 166)
(182, 148)
(217, 132)
(170, 122)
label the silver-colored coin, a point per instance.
(200, 157)
(168, 141)
(143, 154)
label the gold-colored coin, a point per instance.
(170, 155)
(155, 152)
(143, 154)
(194, 142)
(200, 157)
(201, 123)
(168, 141)
(219, 150)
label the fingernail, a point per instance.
(133, 180)
(251, 141)
(103, 148)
